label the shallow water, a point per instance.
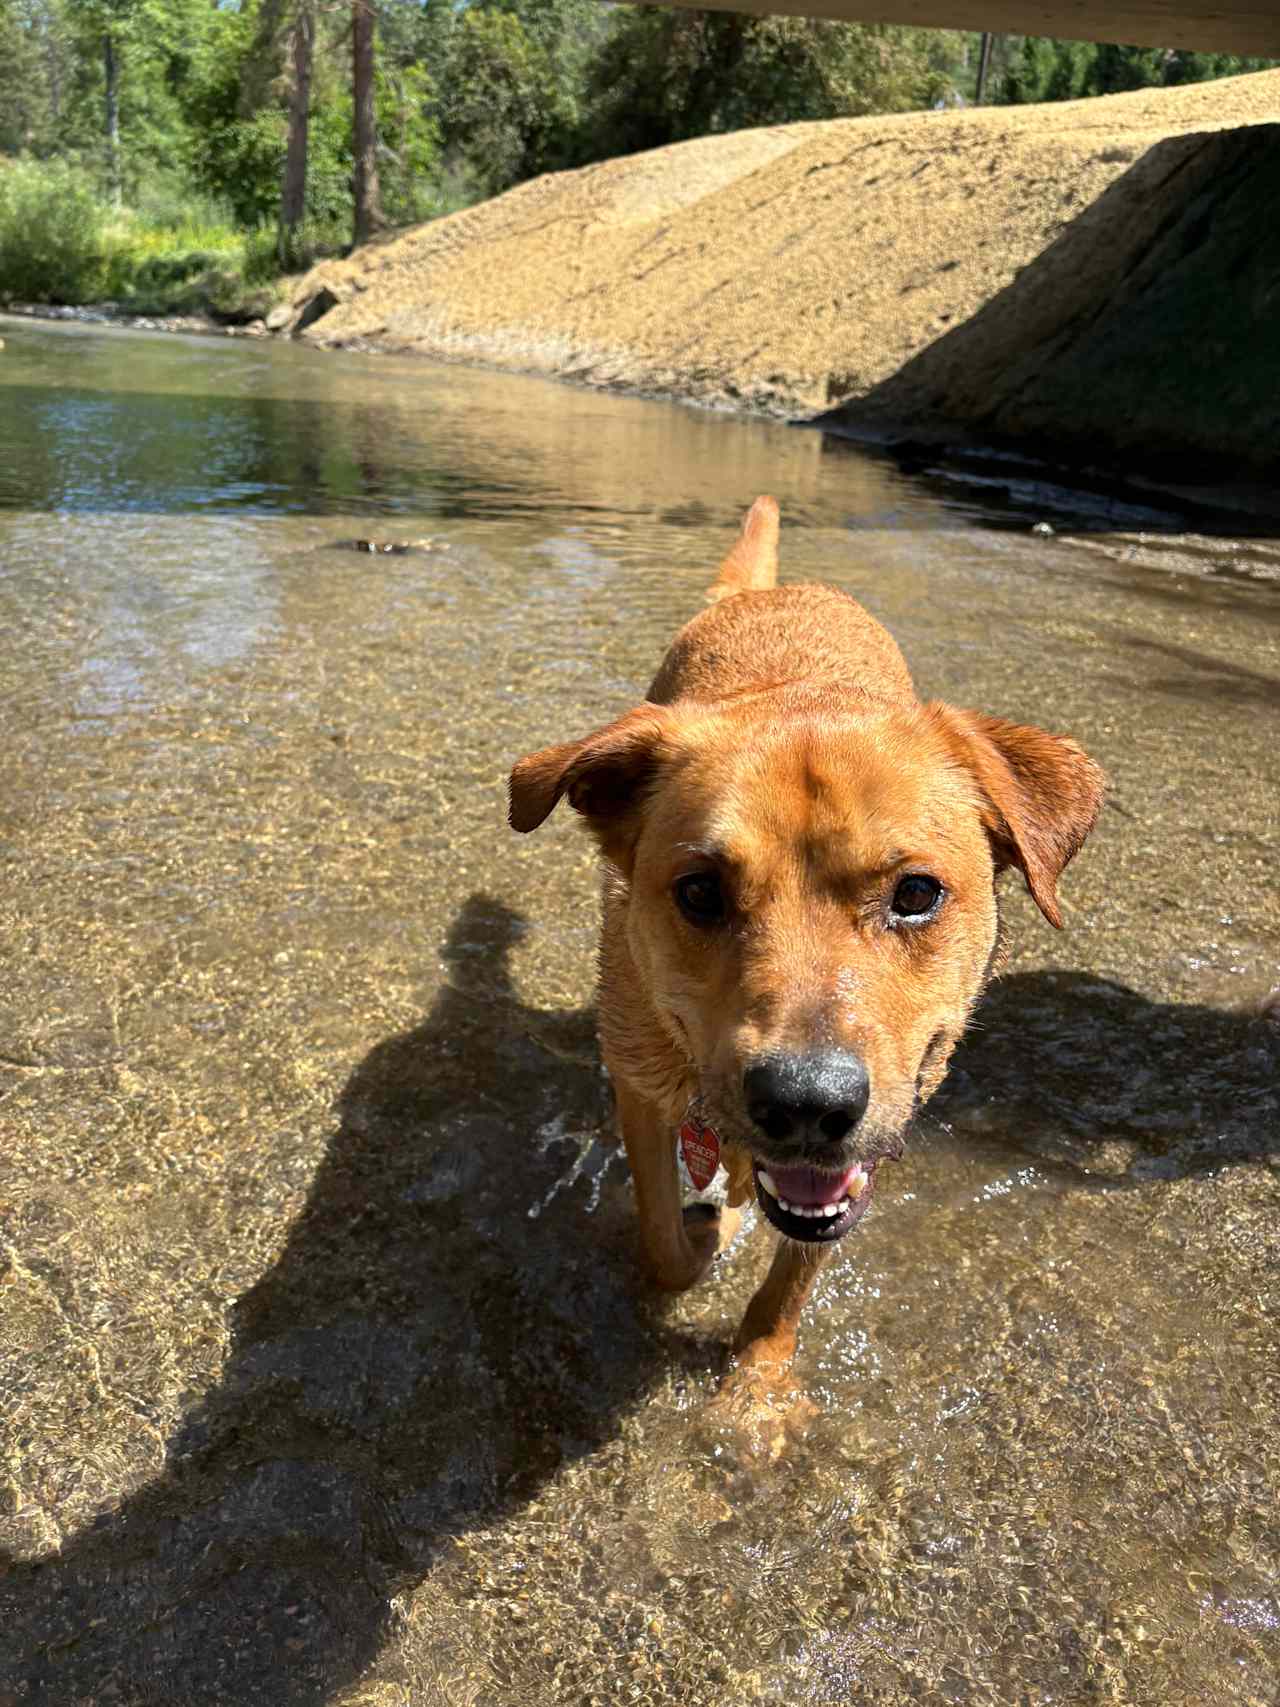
(327, 1372)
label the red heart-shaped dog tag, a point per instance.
(700, 1147)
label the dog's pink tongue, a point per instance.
(811, 1187)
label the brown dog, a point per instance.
(799, 908)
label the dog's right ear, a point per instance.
(604, 774)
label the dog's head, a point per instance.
(806, 876)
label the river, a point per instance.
(326, 1371)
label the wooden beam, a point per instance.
(1231, 26)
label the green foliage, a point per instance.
(666, 75)
(235, 156)
(61, 242)
(26, 113)
(239, 157)
(491, 113)
(531, 86)
(52, 234)
(513, 85)
(155, 45)
(410, 135)
(242, 160)
(1043, 68)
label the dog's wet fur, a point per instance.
(799, 907)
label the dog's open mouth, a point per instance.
(814, 1205)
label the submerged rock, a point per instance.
(391, 547)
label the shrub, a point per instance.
(52, 227)
(61, 242)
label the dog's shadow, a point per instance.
(423, 1354)
(1086, 1072)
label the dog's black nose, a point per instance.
(816, 1097)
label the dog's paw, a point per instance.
(765, 1410)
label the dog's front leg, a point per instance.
(679, 1244)
(766, 1341)
(760, 1400)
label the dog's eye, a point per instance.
(700, 898)
(916, 897)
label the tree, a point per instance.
(293, 195)
(261, 68)
(369, 217)
(106, 26)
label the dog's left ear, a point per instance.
(1041, 795)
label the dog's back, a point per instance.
(756, 634)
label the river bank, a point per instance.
(1090, 281)
(111, 314)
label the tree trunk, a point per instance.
(984, 67)
(293, 195)
(111, 76)
(368, 197)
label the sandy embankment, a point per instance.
(1098, 279)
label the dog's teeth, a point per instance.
(817, 1211)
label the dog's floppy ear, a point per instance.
(1041, 795)
(602, 774)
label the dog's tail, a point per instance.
(752, 565)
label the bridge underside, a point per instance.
(1230, 26)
